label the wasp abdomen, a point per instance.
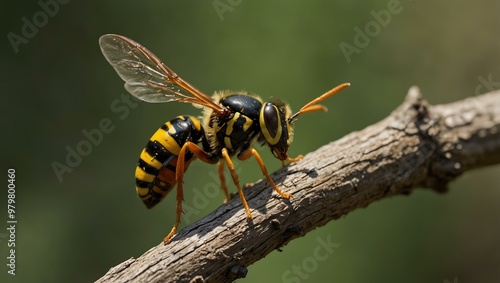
(155, 171)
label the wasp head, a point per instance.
(276, 123)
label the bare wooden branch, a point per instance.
(418, 145)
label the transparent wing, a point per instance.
(146, 77)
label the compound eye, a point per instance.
(270, 123)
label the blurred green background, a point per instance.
(56, 84)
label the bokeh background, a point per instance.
(56, 84)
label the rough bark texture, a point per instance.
(417, 146)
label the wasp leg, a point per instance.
(223, 181)
(295, 159)
(292, 159)
(230, 166)
(179, 176)
(252, 152)
(179, 198)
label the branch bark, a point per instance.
(418, 145)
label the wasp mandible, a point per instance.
(231, 122)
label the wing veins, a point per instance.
(147, 77)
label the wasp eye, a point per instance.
(270, 123)
(271, 119)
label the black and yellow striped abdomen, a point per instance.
(155, 172)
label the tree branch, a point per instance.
(418, 145)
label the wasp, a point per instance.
(231, 122)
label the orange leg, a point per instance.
(292, 159)
(179, 176)
(223, 181)
(295, 159)
(252, 152)
(230, 166)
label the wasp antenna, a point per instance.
(313, 106)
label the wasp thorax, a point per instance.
(273, 120)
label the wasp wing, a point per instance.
(146, 77)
